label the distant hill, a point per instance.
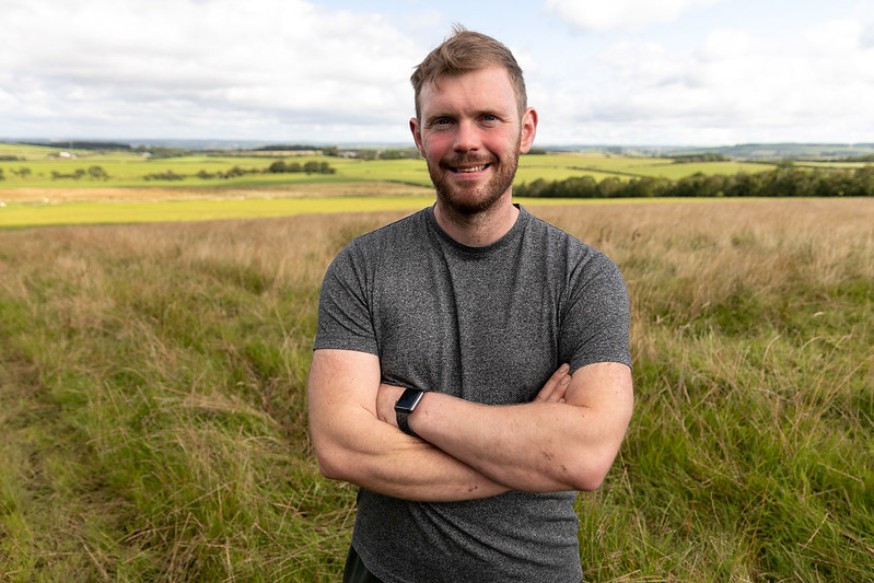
(769, 152)
(79, 144)
(763, 152)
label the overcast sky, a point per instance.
(670, 72)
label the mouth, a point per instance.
(468, 169)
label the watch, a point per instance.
(405, 407)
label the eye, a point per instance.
(440, 123)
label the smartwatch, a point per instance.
(405, 407)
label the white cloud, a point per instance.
(810, 85)
(598, 15)
(112, 62)
(296, 70)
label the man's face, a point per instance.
(470, 134)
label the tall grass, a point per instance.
(153, 425)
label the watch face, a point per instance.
(408, 401)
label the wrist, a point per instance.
(405, 407)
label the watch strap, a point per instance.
(405, 406)
(403, 418)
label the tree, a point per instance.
(97, 172)
(277, 167)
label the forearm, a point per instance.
(539, 446)
(391, 463)
(352, 444)
(523, 446)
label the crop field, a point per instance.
(153, 417)
(77, 213)
(42, 188)
(43, 168)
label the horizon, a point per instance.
(256, 143)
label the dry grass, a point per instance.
(152, 414)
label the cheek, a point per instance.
(436, 146)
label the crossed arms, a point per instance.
(566, 439)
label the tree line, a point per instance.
(277, 167)
(784, 181)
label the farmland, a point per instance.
(45, 169)
(152, 412)
(153, 420)
(51, 186)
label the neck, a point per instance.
(477, 229)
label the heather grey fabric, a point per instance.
(490, 325)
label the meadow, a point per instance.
(41, 188)
(153, 420)
(44, 168)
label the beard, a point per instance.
(469, 200)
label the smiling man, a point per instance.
(471, 368)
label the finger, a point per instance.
(555, 386)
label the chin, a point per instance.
(469, 203)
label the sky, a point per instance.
(605, 72)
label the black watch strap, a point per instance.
(403, 418)
(404, 408)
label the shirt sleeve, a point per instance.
(345, 320)
(596, 318)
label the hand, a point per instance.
(386, 397)
(556, 387)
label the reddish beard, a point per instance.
(473, 199)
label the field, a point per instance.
(41, 188)
(45, 169)
(153, 422)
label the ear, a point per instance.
(529, 130)
(417, 135)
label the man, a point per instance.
(437, 384)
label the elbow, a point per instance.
(331, 461)
(590, 474)
(329, 468)
(588, 480)
(589, 483)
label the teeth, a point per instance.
(474, 169)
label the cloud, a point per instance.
(596, 15)
(219, 63)
(814, 84)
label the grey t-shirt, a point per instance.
(490, 325)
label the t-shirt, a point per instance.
(490, 325)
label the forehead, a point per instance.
(488, 88)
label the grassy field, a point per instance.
(122, 206)
(130, 169)
(153, 421)
(30, 196)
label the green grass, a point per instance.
(16, 215)
(51, 213)
(129, 169)
(26, 152)
(153, 418)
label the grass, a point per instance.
(41, 207)
(72, 213)
(129, 169)
(153, 424)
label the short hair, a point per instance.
(465, 51)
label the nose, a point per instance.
(466, 137)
